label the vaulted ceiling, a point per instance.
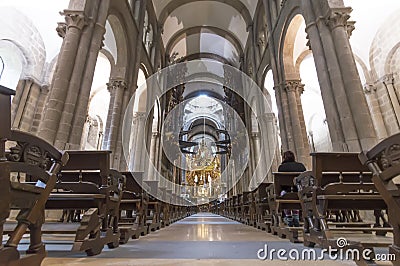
(204, 28)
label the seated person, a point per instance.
(291, 217)
(289, 164)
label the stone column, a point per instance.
(152, 156)
(269, 140)
(155, 139)
(119, 162)
(138, 148)
(376, 114)
(25, 104)
(337, 22)
(307, 159)
(388, 81)
(117, 88)
(75, 21)
(293, 88)
(21, 86)
(44, 91)
(287, 133)
(109, 118)
(28, 102)
(341, 125)
(258, 173)
(81, 107)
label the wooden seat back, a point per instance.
(27, 157)
(384, 162)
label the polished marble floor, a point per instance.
(202, 239)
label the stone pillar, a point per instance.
(270, 144)
(25, 104)
(117, 88)
(258, 173)
(152, 156)
(109, 118)
(44, 91)
(388, 81)
(340, 121)
(287, 133)
(376, 114)
(81, 107)
(75, 22)
(337, 22)
(119, 161)
(138, 148)
(293, 89)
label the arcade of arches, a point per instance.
(327, 70)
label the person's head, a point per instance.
(288, 156)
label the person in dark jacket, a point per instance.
(289, 164)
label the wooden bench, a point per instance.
(339, 182)
(249, 208)
(27, 157)
(384, 162)
(86, 182)
(240, 213)
(134, 205)
(278, 203)
(263, 214)
(168, 210)
(153, 218)
(235, 207)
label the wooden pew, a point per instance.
(5, 134)
(278, 203)
(87, 182)
(250, 209)
(153, 219)
(384, 162)
(167, 208)
(263, 214)
(339, 182)
(134, 203)
(27, 157)
(240, 215)
(235, 207)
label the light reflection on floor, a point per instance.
(202, 239)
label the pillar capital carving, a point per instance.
(369, 88)
(45, 88)
(116, 84)
(308, 42)
(139, 115)
(294, 85)
(250, 70)
(261, 41)
(388, 79)
(100, 30)
(75, 19)
(350, 27)
(339, 18)
(61, 29)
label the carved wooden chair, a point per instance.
(384, 162)
(30, 158)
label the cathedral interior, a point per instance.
(150, 132)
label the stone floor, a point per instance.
(202, 239)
